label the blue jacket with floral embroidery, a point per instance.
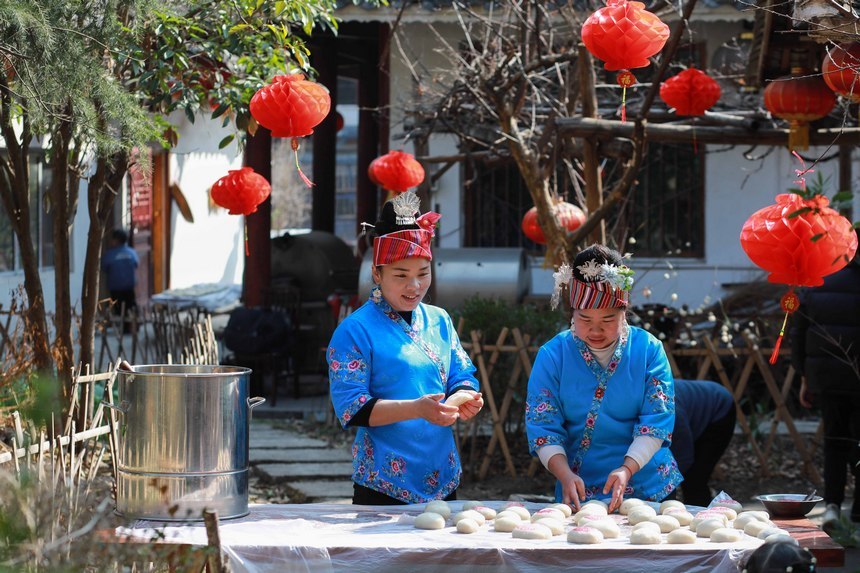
(594, 413)
(374, 353)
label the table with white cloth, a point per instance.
(335, 537)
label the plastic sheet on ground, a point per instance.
(333, 537)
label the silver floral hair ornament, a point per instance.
(405, 206)
(560, 278)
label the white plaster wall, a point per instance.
(211, 249)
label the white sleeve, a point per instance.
(547, 452)
(642, 449)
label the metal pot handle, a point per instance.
(254, 402)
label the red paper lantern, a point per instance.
(841, 70)
(569, 216)
(291, 106)
(624, 35)
(799, 99)
(241, 191)
(691, 92)
(396, 171)
(799, 250)
(799, 242)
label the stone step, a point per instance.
(318, 490)
(260, 455)
(285, 472)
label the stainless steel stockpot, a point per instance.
(182, 435)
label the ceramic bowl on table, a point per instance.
(788, 505)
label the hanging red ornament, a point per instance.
(396, 171)
(799, 99)
(798, 241)
(569, 216)
(241, 191)
(291, 106)
(691, 92)
(624, 35)
(841, 70)
(338, 121)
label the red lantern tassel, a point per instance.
(625, 79)
(295, 145)
(775, 355)
(789, 303)
(247, 250)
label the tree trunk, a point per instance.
(60, 183)
(102, 191)
(591, 160)
(15, 195)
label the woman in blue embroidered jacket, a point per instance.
(393, 364)
(600, 405)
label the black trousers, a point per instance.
(841, 413)
(365, 496)
(707, 451)
(123, 299)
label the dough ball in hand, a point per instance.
(458, 398)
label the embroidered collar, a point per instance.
(412, 330)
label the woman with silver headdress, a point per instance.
(600, 406)
(398, 372)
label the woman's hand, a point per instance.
(572, 490)
(472, 406)
(431, 408)
(617, 484)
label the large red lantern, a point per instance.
(569, 216)
(799, 99)
(841, 70)
(291, 106)
(691, 92)
(798, 241)
(396, 171)
(241, 191)
(624, 35)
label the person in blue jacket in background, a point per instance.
(704, 426)
(120, 264)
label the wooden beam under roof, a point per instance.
(725, 135)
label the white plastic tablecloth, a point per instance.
(333, 537)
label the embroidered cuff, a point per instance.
(362, 417)
(353, 409)
(659, 433)
(541, 441)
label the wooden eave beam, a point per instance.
(725, 135)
